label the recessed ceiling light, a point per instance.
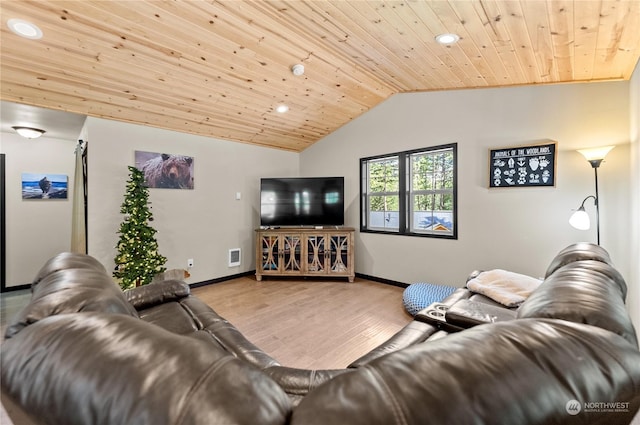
(447, 38)
(29, 132)
(297, 69)
(24, 29)
(282, 108)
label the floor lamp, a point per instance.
(580, 219)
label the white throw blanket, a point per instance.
(507, 288)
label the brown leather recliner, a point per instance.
(82, 352)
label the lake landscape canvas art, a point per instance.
(44, 186)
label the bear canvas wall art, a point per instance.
(165, 171)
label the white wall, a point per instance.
(633, 297)
(520, 229)
(36, 229)
(203, 223)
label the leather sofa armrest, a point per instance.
(157, 293)
(415, 332)
(434, 313)
(468, 313)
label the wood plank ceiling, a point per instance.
(220, 68)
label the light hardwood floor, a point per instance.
(311, 324)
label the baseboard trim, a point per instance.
(382, 280)
(253, 272)
(4, 289)
(222, 279)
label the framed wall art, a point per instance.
(44, 186)
(523, 166)
(165, 171)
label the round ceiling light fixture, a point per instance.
(297, 69)
(282, 109)
(29, 132)
(448, 38)
(24, 29)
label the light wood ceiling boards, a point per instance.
(220, 68)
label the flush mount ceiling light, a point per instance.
(447, 38)
(297, 69)
(29, 132)
(282, 108)
(24, 29)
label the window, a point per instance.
(410, 193)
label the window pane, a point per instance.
(432, 206)
(423, 202)
(384, 212)
(447, 202)
(383, 175)
(384, 203)
(384, 220)
(433, 222)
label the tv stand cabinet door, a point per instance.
(278, 254)
(329, 253)
(315, 254)
(267, 255)
(291, 256)
(340, 254)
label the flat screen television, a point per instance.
(302, 201)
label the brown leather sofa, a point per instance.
(83, 352)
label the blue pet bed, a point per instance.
(418, 296)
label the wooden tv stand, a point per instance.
(305, 252)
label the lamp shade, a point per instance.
(593, 154)
(580, 219)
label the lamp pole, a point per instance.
(595, 163)
(595, 156)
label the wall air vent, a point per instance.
(234, 257)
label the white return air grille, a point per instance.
(234, 257)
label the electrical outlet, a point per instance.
(190, 262)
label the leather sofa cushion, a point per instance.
(71, 291)
(237, 344)
(190, 314)
(202, 315)
(205, 318)
(170, 316)
(516, 372)
(79, 369)
(586, 291)
(156, 293)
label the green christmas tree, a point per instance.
(138, 259)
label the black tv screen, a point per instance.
(302, 201)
